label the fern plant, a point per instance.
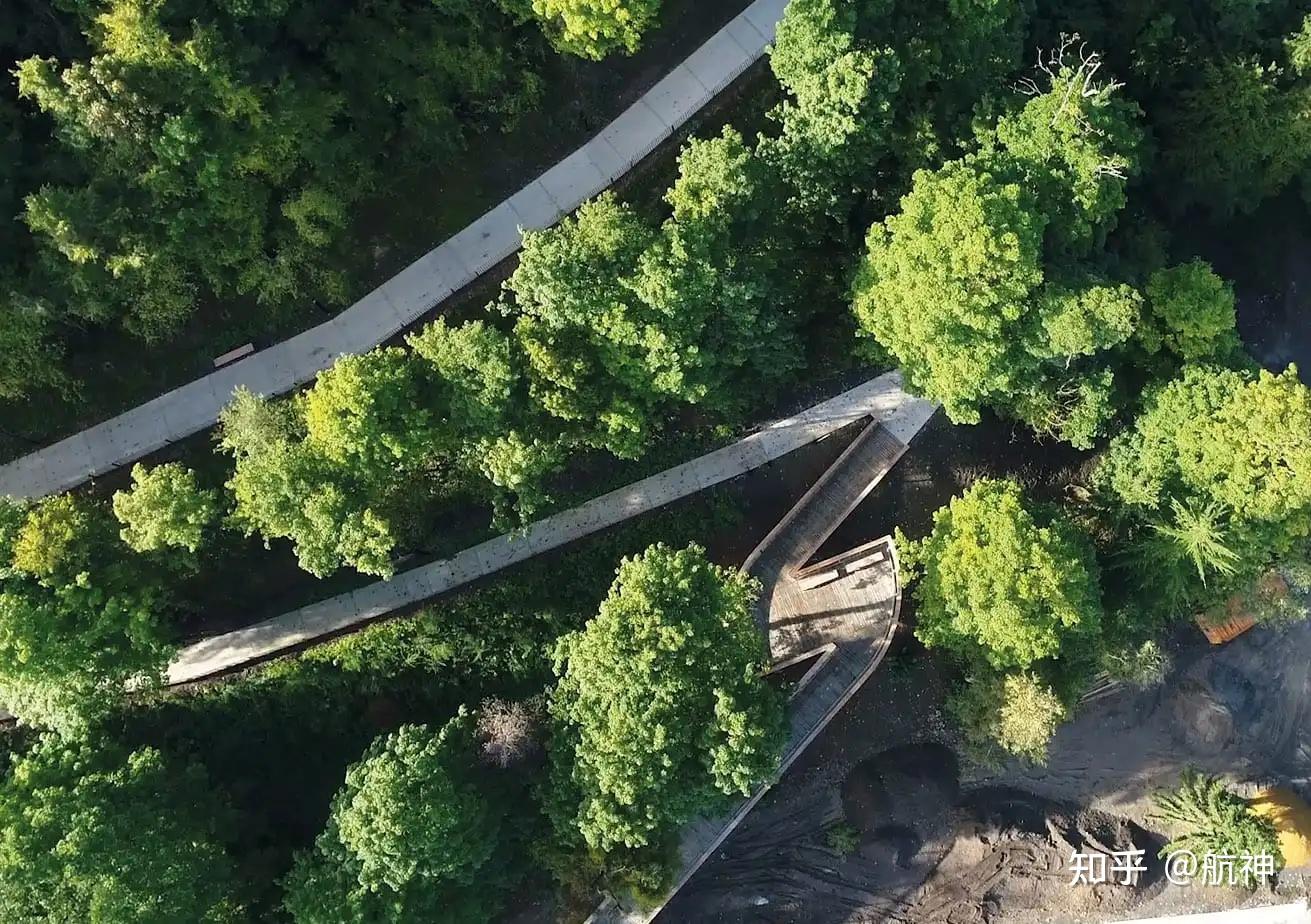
(1178, 558)
(1197, 536)
(1213, 820)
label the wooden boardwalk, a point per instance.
(881, 398)
(843, 611)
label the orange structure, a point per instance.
(1226, 621)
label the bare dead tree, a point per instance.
(1072, 64)
(509, 733)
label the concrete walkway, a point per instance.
(423, 285)
(881, 398)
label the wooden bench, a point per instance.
(231, 356)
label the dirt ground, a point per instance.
(946, 843)
(1242, 710)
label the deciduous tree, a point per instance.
(1004, 582)
(80, 613)
(207, 150)
(1211, 485)
(1016, 713)
(722, 286)
(984, 288)
(877, 89)
(581, 329)
(412, 835)
(96, 834)
(165, 508)
(595, 28)
(1265, 121)
(1240, 440)
(1192, 311)
(948, 281)
(661, 710)
(1012, 589)
(842, 96)
(341, 470)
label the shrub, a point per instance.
(1209, 819)
(1014, 714)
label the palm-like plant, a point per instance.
(1197, 536)
(1178, 555)
(1212, 820)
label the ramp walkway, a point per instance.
(420, 287)
(840, 614)
(880, 398)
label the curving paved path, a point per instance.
(841, 612)
(900, 415)
(421, 286)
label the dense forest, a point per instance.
(162, 155)
(1000, 223)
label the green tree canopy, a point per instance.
(173, 151)
(1016, 712)
(80, 613)
(342, 469)
(365, 413)
(581, 329)
(165, 508)
(1238, 439)
(948, 279)
(228, 168)
(412, 836)
(620, 321)
(1204, 70)
(876, 89)
(1013, 590)
(282, 489)
(96, 834)
(985, 286)
(1214, 480)
(840, 106)
(1076, 141)
(661, 710)
(722, 285)
(1192, 313)
(1005, 582)
(595, 28)
(1263, 114)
